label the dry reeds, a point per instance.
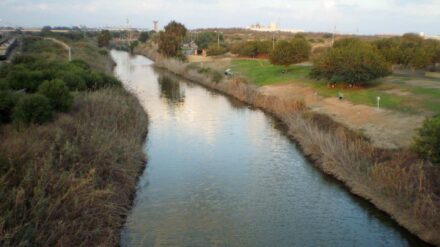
(71, 182)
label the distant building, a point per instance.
(272, 27)
(436, 37)
(190, 48)
(156, 26)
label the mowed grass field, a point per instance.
(415, 95)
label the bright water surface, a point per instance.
(223, 174)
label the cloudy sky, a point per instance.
(349, 16)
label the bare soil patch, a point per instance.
(385, 128)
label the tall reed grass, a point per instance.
(71, 182)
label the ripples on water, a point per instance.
(222, 174)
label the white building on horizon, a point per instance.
(272, 27)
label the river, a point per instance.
(221, 173)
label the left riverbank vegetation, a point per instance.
(72, 145)
(402, 181)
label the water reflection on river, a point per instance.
(223, 174)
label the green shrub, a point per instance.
(33, 109)
(24, 59)
(8, 100)
(103, 52)
(290, 52)
(22, 78)
(248, 49)
(81, 64)
(74, 81)
(350, 61)
(214, 74)
(427, 143)
(4, 85)
(215, 50)
(58, 94)
(98, 80)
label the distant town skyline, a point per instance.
(358, 17)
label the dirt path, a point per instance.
(385, 128)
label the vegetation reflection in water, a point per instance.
(223, 174)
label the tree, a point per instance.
(133, 45)
(176, 29)
(350, 61)
(171, 39)
(290, 52)
(144, 36)
(33, 109)
(215, 50)
(389, 48)
(46, 30)
(204, 39)
(104, 38)
(58, 94)
(427, 143)
(433, 47)
(410, 50)
(419, 58)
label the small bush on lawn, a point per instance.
(33, 109)
(58, 94)
(427, 143)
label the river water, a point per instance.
(220, 173)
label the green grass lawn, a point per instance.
(395, 92)
(261, 72)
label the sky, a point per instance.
(361, 16)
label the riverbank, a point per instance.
(395, 181)
(71, 181)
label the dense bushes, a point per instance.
(251, 48)
(427, 144)
(8, 100)
(52, 79)
(58, 94)
(33, 109)
(290, 52)
(350, 61)
(215, 50)
(410, 50)
(205, 39)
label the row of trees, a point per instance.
(410, 50)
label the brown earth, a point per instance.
(385, 128)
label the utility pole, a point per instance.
(273, 41)
(333, 36)
(218, 39)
